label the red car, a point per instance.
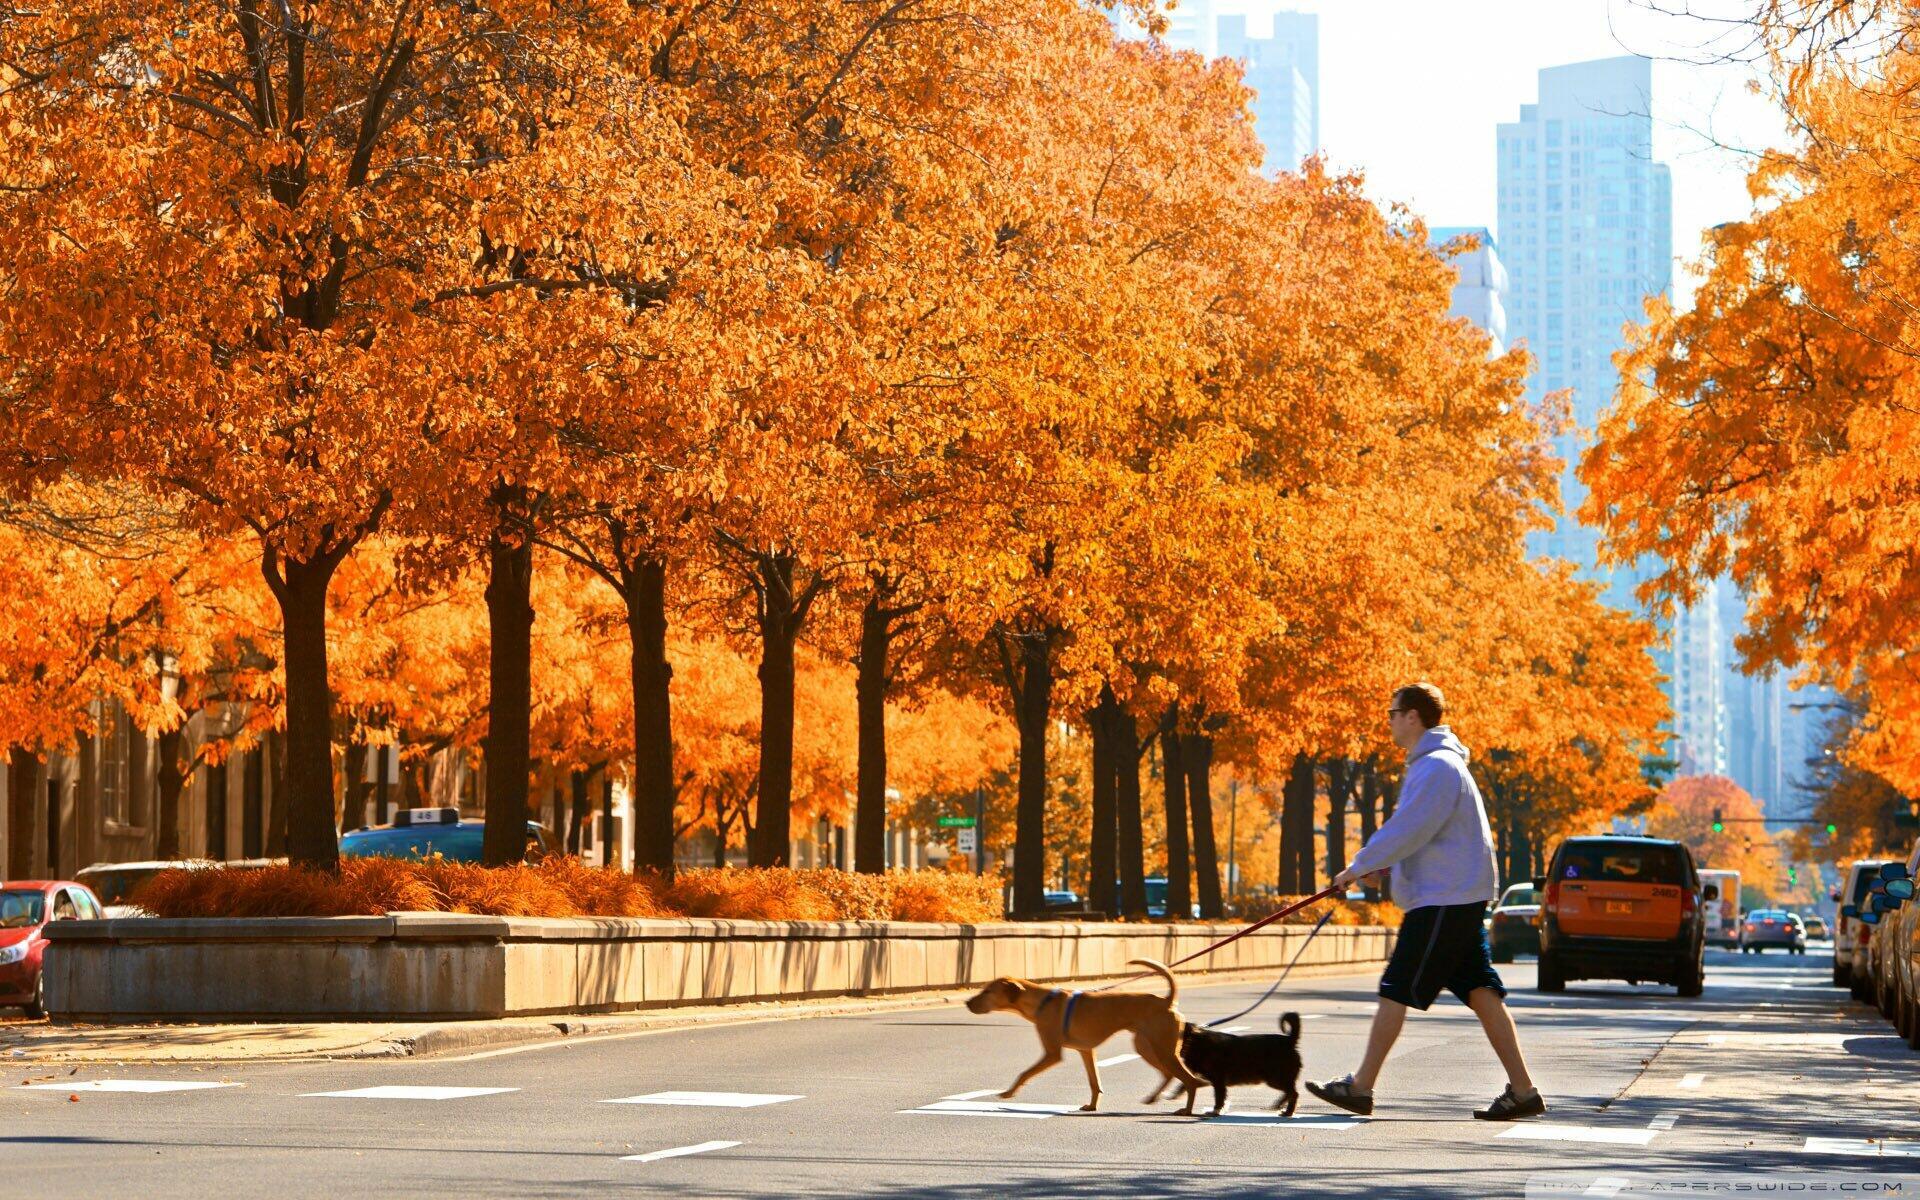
(26, 905)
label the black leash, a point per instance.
(1276, 983)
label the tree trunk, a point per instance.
(1296, 829)
(253, 798)
(353, 805)
(1369, 801)
(24, 774)
(780, 620)
(301, 589)
(1103, 877)
(644, 585)
(169, 784)
(1389, 796)
(1339, 788)
(609, 856)
(582, 809)
(510, 683)
(870, 690)
(216, 813)
(277, 804)
(1031, 687)
(1196, 753)
(1173, 780)
(1127, 748)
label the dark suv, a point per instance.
(1622, 908)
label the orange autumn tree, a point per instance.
(1769, 435)
(295, 239)
(1685, 812)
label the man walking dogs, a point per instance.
(1441, 850)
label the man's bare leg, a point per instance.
(1498, 1022)
(1387, 1020)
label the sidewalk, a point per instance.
(37, 1042)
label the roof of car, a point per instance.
(157, 864)
(42, 884)
(1624, 837)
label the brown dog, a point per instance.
(1082, 1020)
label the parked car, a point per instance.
(1061, 898)
(26, 906)
(1512, 927)
(417, 833)
(1764, 927)
(1850, 934)
(1157, 897)
(1897, 934)
(1617, 907)
(1816, 925)
(115, 883)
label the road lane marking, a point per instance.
(1862, 1146)
(708, 1099)
(1693, 1080)
(1001, 1108)
(677, 1152)
(1313, 1121)
(1547, 1131)
(401, 1092)
(1663, 1121)
(122, 1085)
(1234, 1029)
(1606, 1185)
(1116, 1060)
(974, 1095)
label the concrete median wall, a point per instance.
(438, 965)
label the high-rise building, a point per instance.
(1586, 232)
(1280, 52)
(1481, 293)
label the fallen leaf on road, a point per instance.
(72, 1099)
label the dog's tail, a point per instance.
(1173, 985)
(1290, 1026)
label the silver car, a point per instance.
(1765, 927)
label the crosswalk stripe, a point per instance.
(1692, 1080)
(1663, 1121)
(1606, 1185)
(1547, 1131)
(677, 1152)
(123, 1085)
(1003, 1108)
(708, 1099)
(1865, 1147)
(1315, 1121)
(402, 1092)
(1116, 1060)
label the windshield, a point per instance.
(1622, 862)
(113, 887)
(1520, 893)
(21, 909)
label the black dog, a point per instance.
(1225, 1060)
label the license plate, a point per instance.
(1623, 907)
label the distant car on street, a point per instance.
(1720, 901)
(1764, 927)
(1513, 926)
(1157, 897)
(417, 833)
(26, 906)
(115, 883)
(1061, 899)
(1618, 907)
(1816, 925)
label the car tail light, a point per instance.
(1688, 903)
(1553, 894)
(1768, 921)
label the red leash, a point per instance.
(1262, 923)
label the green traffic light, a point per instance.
(1719, 828)
(1832, 829)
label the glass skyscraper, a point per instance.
(1281, 54)
(1586, 230)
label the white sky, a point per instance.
(1412, 90)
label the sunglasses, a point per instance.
(1394, 712)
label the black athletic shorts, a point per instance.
(1440, 946)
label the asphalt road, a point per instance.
(1771, 1071)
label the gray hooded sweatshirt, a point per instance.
(1438, 841)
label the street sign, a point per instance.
(969, 840)
(956, 822)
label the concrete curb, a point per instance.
(455, 1040)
